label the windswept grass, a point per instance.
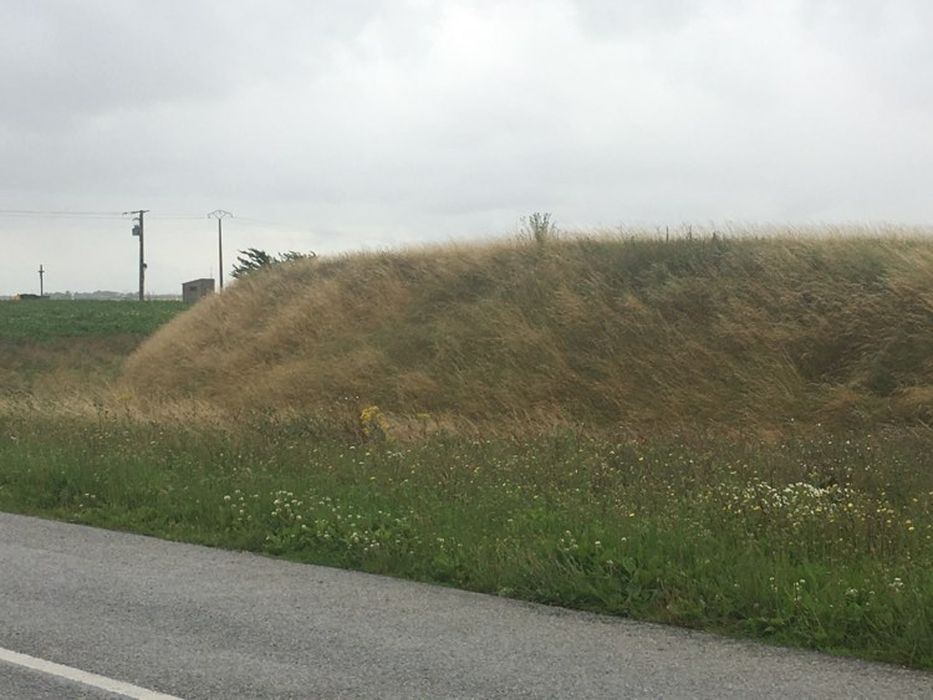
(633, 336)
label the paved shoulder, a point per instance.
(198, 622)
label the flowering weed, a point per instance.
(825, 543)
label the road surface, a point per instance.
(193, 622)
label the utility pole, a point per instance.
(138, 231)
(41, 281)
(219, 214)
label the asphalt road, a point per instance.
(195, 622)
(29, 685)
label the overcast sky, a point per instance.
(335, 126)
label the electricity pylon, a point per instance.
(219, 214)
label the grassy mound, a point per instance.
(634, 335)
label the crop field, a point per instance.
(47, 319)
(791, 530)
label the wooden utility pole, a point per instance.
(138, 230)
(41, 281)
(219, 214)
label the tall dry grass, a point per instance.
(610, 332)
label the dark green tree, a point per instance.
(253, 259)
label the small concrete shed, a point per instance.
(195, 289)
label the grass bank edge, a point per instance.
(545, 522)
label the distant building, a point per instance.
(27, 297)
(196, 289)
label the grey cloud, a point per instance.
(887, 43)
(374, 123)
(610, 20)
(65, 60)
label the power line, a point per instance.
(117, 214)
(275, 224)
(59, 212)
(65, 214)
(79, 216)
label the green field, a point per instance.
(760, 521)
(40, 320)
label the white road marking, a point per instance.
(78, 676)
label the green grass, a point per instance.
(822, 543)
(43, 320)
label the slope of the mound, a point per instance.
(647, 336)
